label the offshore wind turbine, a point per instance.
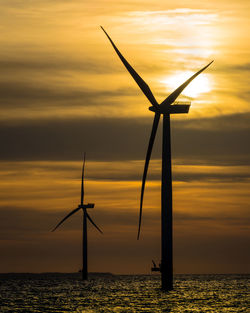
(86, 217)
(167, 107)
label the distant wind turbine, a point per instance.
(86, 216)
(165, 108)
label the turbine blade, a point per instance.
(171, 98)
(82, 185)
(150, 147)
(66, 217)
(90, 219)
(140, 82)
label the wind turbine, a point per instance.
(165, 108)
(86, 216)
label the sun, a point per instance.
(199, 85)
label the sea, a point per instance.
(104, 292)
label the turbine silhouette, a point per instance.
(165, 108)
(86, 217)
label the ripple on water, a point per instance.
(122, 294)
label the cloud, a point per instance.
(243, 67)
(50, 62)
(32, 220)
(220, 140)
(25, 95)
(227, 220)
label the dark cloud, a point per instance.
(20, 221)
(134, 174)
(24, 223)
(234, 68)
(220, 140)
(27, 222)
(25, 95)
(34, 59)
(239, 221)
(52, 63)
(209, 177)
(65, 140)
(245, 95)
(36, 78)
(121, 171)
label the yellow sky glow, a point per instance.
(202, 84)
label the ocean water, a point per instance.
(122, 293)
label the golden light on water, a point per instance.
(201, 84)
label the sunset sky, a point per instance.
(63, 91)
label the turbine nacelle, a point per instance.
(86, 206)
(171, 109)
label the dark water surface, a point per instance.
(122, 293)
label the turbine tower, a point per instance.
(86, 217)
(167, 107)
